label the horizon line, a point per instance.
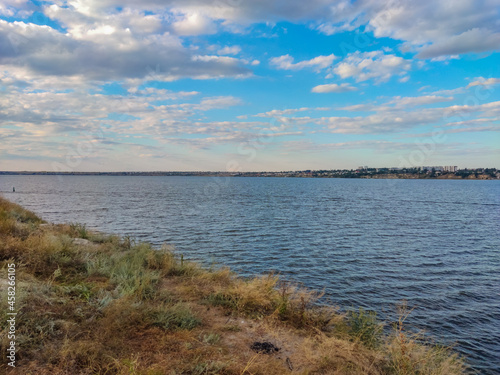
(236, 172)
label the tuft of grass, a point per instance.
(79, 230)
(210, 338)
(9, 210)
(221, 299)
(178, 316)
(409, 354)
(364, 326)
(331, 355)
(209, 368)
(299, 307)
(268, 296)
(232, 328)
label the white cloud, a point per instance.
(333, 87)
(221, 59)
(360, 107)
(218, 102)
(194, 24)
(226, 60)
(281, 112)
(434, 28)
(479, 81)
(474, 40)
(233, 50)
(285, 62)
(418, 100)
(47, 52)
(11, 8)
(445, 58)
(401, 116)
(376, 65)
(484, 82)
(139, 112)
(458, 90)
(398, 103)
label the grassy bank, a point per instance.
(90, 303)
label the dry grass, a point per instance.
(108, 305)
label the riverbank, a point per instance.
(89, 303)
(376, 173)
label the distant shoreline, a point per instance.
(464, 174)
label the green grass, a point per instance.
(178, 316)
(364, 326)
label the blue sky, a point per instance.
(107, 85)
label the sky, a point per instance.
(261, 85)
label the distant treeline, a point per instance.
(424, 173)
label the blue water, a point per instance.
(371, 243)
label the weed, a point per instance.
(211, 338)
(178, 316)
(232, 328)
(221, 299)
(365, 327)
(208, 368)
(79, 230)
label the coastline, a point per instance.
(347, 174)
(94, 303)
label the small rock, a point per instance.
(264, 347)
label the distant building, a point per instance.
(450, 168)
(436, 168)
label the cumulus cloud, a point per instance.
(289, 111)
(194, 24)
(59, 122)
(484, 82)
(46, 51)
(285, 62)
(149, 110)
(474, 40)
(228, 60)
(432, 28)
(333, 87)
(401, 116)
(233, 50)
(418, 100)
(398, 103)
(11, 8)
(98, 36)
(376, 65)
